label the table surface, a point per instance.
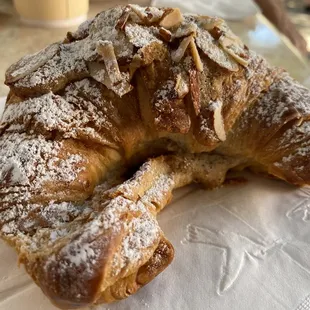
(18, 40)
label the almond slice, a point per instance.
(185, 30)
(209, 23)
(140, 12)
(178, 54)
(165, 34)
(211, 49)
(106, 50)
(147, 16)
(98, 72)
(153, 14)
(172, 19)
(81, 33)
(218, 121)
(181, 87)
(123, 18)
(135, 64)
(233, 46)
(121, 88)
(196, 56)
(194, 90)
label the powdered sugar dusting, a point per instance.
(144, 231)
(70, 62)
(74, 59)
(292, 92)
(59, 66)
(157, 195)
(49, 110)
(27, 219)
(32, 161)
(292, 101)
(210, 48)
(292, 137)
(164, 93)
(296, 161)
(140, 36)
(141, 232)
(72, 115)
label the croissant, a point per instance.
(179, 96)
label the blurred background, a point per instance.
(277, 29)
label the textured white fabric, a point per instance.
(228, 9)
(305, 305)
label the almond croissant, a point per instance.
(180, 93)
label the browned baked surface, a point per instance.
(131, 84)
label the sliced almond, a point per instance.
(234, 47)
(146, 16)
(185, 30)
(299, 121)
(210, 48)
(106, 50)
(228, 40)
(153, 14)
(194, 90)
(209, 23)
(165, 34)
(98, 72)
(135, 64)
(172, 19)
(218, 121)
(81, 33)
(181, 87)
(140, 35)
(196, 56)
(122, 88)
(123, 19)
(140, 12)
(178, 54)
(123, 49)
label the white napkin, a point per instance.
(2, 103)
(239, 247)
(227, 9)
